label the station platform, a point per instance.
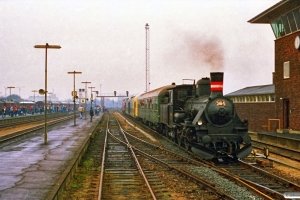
(29, 168)
(289, 140)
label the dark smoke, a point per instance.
(206, 51)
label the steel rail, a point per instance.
(135, 160)
(211, 187)
(103, 162)
(292, 154)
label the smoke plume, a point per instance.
(206, 51)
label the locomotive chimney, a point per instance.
(216, 84)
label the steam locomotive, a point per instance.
(196, 116)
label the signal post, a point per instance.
(115, 95)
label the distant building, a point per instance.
(51, 97)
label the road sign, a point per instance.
(74, 93)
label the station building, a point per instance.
(276, 106)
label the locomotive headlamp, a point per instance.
(199, 122)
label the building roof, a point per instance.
(275, 11)
(254, 90)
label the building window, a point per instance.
(287, 23)
(273, 98)
(297, 17)
(280, 27)
(275, 28)
(286, 70)
(292, 21)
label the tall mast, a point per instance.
(147, 58)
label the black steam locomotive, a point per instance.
(196, 116)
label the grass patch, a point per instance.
(88, 164)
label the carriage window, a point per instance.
(154, 106)
(182, 95)
(170, 97)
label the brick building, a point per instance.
(284, 18)
(257, 104)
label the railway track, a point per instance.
(274, 188)
(268, 183)
(153, 164)
(124, 177)
(200, 172)
(21, 129)
(15, 121)
(163, 174)
(292, 154)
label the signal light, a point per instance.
(127, 93)
(115, 93)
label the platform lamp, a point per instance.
(85, 94)
(51, 104)
(74, 94)
(34, 91)
(96, 96)
(91, 96)
(41, 91)
(10, 87)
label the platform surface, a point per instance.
(29, 168)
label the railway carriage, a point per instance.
(149, 105)
(124, 103)
(130, 105)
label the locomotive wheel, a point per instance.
(178, 140)
(186, 145)
(164, 132)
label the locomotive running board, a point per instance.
(203, 152)
(244, 152)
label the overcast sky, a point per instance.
(105, 40)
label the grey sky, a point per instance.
(105, 40)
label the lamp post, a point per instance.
(74, 94)
(96, 99)
(34, 91)
(50, 97)
(46, 47)
(85, 94)
(10, 87)
(20, 90)
(91, 96)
